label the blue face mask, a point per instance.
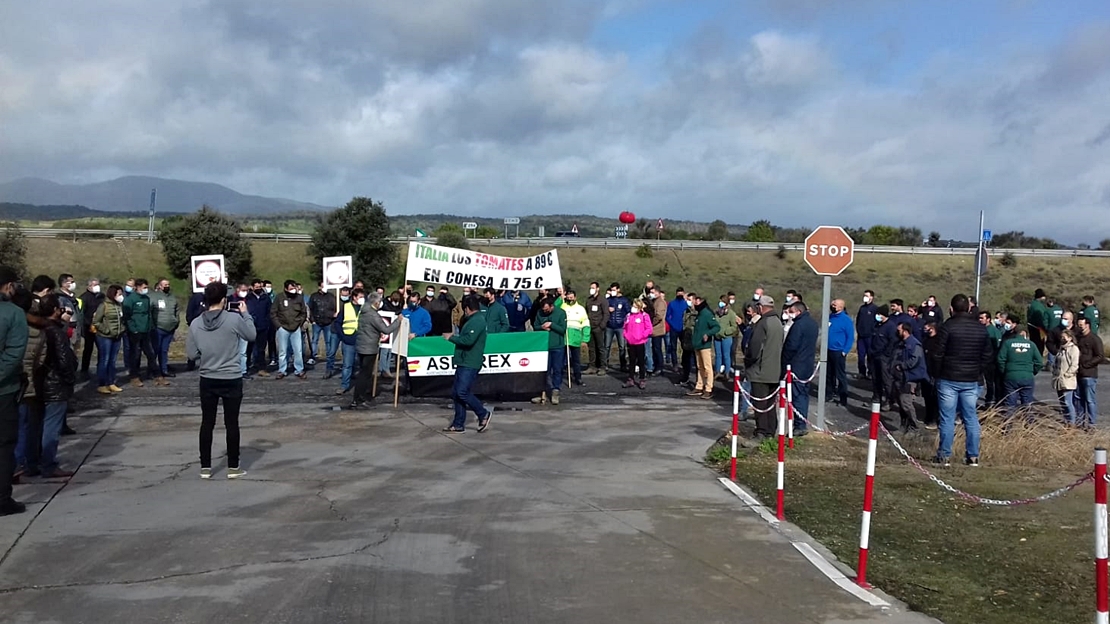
(1065, 322)
(878, 318)
(128, 288)
(721, 305)
(345, 297)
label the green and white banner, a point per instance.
(516, 364)
(432, 264)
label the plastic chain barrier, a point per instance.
(838, 434)
(981, 500)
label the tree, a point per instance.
(204, 233)
(449, 228)
(760, 232)
(1105, 244)
(487, 231)
(452, 239)
(881, 235)
(360, 230)
(13, 250)
(934, 239)
(718, 231)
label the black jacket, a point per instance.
(89, 303)
(865, 320)
(1090, 355)
(321, 308)
(963, 350)
(55, 376)
(440, 309)
(195, 308)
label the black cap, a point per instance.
(1039, 293)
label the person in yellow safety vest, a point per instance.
(346, 327)
(578, 332)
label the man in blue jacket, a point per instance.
(517, 305)
(258, 306)
(865, 329)
(908, 371)
(799, 351)
(619, 309)
(420, 322)
(841, 336)
(676, 311)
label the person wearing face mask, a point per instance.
(194, 308)
(757, 295)
(732, 304)
(676, 309)
(89, 302)
(578, 333)
(394, 305)
(496, 315)
(619, 309)
(865, 330)
(517, 306)
(138, 319)
(879, 346)
(841, 337)
(791, 298)
(1065, 372)
(288, 315)
(723, 341)
(763, 363)
(597, 309)
(469, 358)
(656, 306)
(346, 327)
(961, 355)
(246, 350)
(271, 338)
(258, 306)
(537, 304)
(706, 327)
(420, 322)
(53, 375)
(689, 358)
(637, 332)
(167, 318)
(799, 351)
(553, 320)
(929, 385)
(108, 326)
(930, 312)
(1019, 361)
(322, 311)
(910, 369)
(371, 328)
(992, 386)
(1054, 340)
(748, 318)
(440, 308)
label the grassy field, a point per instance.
(912, 278)
(959, 562)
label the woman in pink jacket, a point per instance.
(637, 332)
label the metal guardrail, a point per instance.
(610, 243)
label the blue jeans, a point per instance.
(162, 340)
(286, 341)
(657, 353)
(1019, 393)
(722, 352)
(649, 363)
(746, 386)
(40, 427)
(674, 339)
(350, 358)
(331, 343)
(555, 367)
(622, 346)
(950, 396)
(1087, 400)
(384, 360)
(800, 396)
(106, 351)
(464, 399)
(1067, 404)
(243, 346)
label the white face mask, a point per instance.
(96, 289)
(755, 296)
(360, 301)
(866, 299)
(789, 300)
(431, 293)
(1008, 326)
(786, 317)
(1065, 322)
(593, 292)
(268, 289)
(144, 291)
(242, 294)
(731, 301)
(346, 297)
(119, 298)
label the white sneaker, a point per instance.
(235, 473)
(205, 473)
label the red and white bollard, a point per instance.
(735, 420)
(781, 499)
(868, 491)
(1102, 595)
(790, 405)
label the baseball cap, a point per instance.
(766, 300)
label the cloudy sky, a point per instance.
(800, 111)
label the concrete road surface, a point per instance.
(574, 514)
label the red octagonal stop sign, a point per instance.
(829, 250)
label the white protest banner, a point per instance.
(338, 272)
(207, 269)
(401, 340)
(461, 267)
(387, 339)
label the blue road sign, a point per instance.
(986, 236)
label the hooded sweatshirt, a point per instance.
(214, 341)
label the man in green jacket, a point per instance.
(497, 317)
(163, 306)
(13, 344)
(1037, 319)
(553, 320)
(1019, 361)
(706, 329)
(470, 356)
(1090, 312)
(139, 322)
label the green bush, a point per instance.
(1008, 260)
(644, 251)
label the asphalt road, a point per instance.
(596, 511)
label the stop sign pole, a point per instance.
(828, 251)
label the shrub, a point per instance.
(360, 230)
(644, 251)
(781, 253)
(203, 233)
(1008, 260)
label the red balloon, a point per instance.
(627, 217)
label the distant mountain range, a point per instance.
(132, 194)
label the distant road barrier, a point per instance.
(609, 243)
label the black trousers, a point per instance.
(9, 434)
(766, 420)
(140, 346)
(837, 378)
(932, 403)
(212, 391)
(637, 357)
(87, 350)
(364, 384)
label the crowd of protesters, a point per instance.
(957, 359)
